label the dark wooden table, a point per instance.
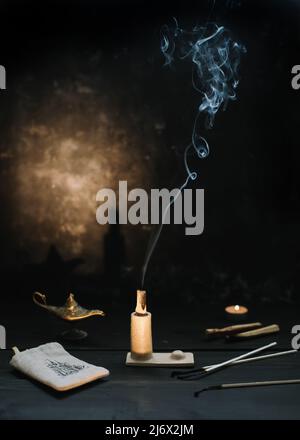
(150, 393)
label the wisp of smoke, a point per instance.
(215, 58)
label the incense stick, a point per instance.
(227, 386)
(257, 358)
(265, 347)
(198, 372)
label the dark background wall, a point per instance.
(88, 103)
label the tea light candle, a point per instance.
(141, 333)
(236, 312)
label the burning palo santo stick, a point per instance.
(141, 306)
(232, 329)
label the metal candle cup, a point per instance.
(236, 312)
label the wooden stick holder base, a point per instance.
(141, 354)
(175, 358)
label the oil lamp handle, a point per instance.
(39, 299)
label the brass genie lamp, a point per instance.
(71, 311)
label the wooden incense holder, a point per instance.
(141, 353)
(232, 329)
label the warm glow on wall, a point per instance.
(65, 148)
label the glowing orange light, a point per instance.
(236, 310)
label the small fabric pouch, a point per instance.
(52, 365)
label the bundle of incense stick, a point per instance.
(227, 386)
(257, 358)
(198, 373)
